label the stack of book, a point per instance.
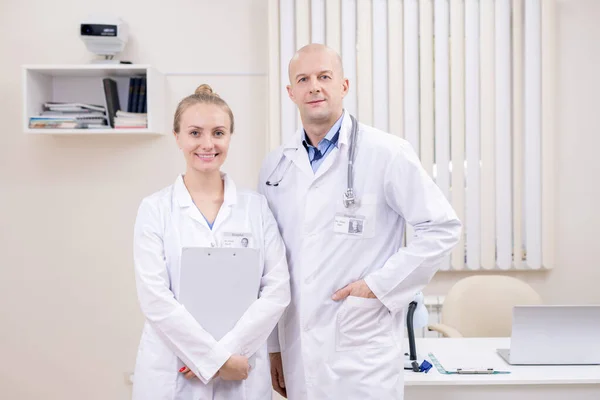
(130, 120)
(135, 116)
(70, 116)
(137, 100)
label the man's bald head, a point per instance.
(317, 84)
(316, 49)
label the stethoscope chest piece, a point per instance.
(350, 200)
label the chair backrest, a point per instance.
(481, 306)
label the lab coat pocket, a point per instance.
(363, 323)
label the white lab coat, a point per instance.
(171, 338)
(352, 349)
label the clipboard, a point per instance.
(464, 371)
(218, 285)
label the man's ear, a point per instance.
(345, 87)
(289, 90)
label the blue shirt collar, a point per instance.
(334, 129)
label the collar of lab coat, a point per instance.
(295, 141)
(184, 199)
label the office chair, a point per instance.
(481, 306)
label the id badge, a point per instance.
(237, 239)
(353, 225)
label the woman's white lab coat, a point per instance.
(352, 349)
(171, 338)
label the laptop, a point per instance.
(554, 335)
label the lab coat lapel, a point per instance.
(295, 151)
(339, 153)
(229, 200)
(184, 199)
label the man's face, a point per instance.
(317, 85)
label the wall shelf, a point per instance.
(83, 84)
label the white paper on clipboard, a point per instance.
(218, 285)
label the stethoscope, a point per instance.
(349, 196)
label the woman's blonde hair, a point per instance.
(203, 95)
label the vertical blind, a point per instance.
(469, 83)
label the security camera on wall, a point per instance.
(104, 35)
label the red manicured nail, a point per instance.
(182, 369)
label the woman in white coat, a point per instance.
(177, 359)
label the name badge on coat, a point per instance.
(349, 224)
(358, 222)
(237, 239)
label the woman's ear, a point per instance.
(177, 139)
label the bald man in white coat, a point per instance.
(341, 336)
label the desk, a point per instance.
(524, 382)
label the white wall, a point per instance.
(70, 321)
(69, 317)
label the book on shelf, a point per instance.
(126, 114)
(69, 114)
(56, 122)
(52, 124)
(112, 99)
(72, 107)
(137, 102)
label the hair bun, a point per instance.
(205, 89)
